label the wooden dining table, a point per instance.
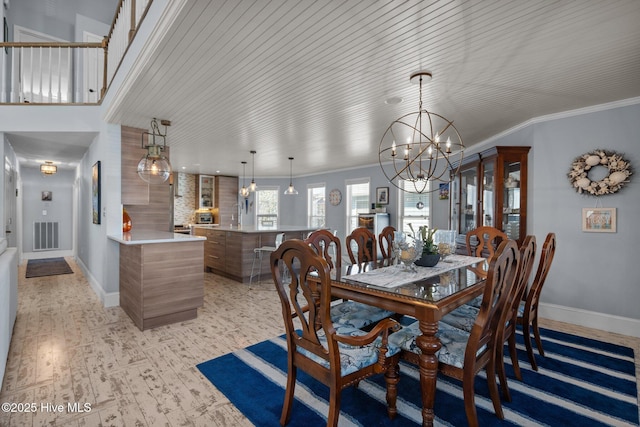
(426, 299)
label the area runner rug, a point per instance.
(580, 382)
(47, 267)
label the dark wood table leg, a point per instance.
(429, 344)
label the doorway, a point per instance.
(10, 203)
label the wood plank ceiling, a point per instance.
(309, 79)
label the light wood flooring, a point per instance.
(68, 348)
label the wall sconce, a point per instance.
(48, 168)
(154, 167)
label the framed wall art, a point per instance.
(599, 220)
(382, 195)
(95, 192)
(47, 196)
(444, 191)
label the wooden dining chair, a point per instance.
(528, 309)
(336, 356)
(464, 354)
(510, 315)
(487, 238)
(482, 242)
(351, 313)
(464, 316)
(363, 241)
(385, 239)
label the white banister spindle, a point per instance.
(16, 87)
(31, 75)
(40, 68)
(68, 74)
(59, 88)
(50, 93)
(98, 77)
(3, 96)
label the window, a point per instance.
(316, 205)
(267, 208)
(409, 211)
(357, 201)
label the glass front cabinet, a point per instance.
(491, 190)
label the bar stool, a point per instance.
(258, 253)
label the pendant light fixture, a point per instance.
(253, 187)
(244, 191)
(291, 190)
(417, 148)
(154, 167)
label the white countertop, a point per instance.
(142, 237)
(253, 229)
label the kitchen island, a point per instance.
(229, 250)
(161, 278)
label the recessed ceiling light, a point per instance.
(394, 100)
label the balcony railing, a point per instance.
(68, 73)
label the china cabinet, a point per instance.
(491, 190)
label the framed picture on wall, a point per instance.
(382, 195)
(599, 220)
(47, 196)
(444, 191)
(95, 192)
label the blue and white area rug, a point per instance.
(580, 382)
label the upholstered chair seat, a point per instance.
(462, 317)
(352, 358)
(357, 315)
(454, 342)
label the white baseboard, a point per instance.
(591, 319)
(111, 299)
(46, 254)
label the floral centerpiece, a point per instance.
(430, 254)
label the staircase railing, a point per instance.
(68, 73)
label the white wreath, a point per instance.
(619, 172)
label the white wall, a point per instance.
(59, 20)
(97, 254)
(59, 209)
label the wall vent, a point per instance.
(45, 236)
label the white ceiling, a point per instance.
(66, 149)
(309, 79)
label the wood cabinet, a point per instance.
(215, 250)
(161, 283)
(226, 191)
(491, 190)
(229, 252)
